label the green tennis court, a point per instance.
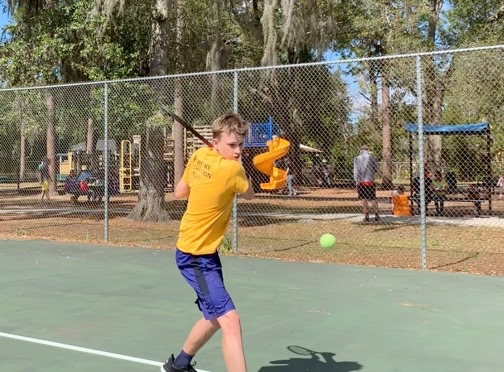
(76, 307)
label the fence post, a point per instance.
(105, 165)
(423, 235)
(235, 201)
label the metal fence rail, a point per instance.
(114, 137)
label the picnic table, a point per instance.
(96, 187)
(474, 193)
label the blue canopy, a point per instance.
(477, 128)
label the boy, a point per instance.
(210, 181)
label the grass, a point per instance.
(450, 248)
(390, 243)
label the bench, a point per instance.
(75, 192)
(476, 196)
(75, 195)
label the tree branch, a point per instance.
(365, 97)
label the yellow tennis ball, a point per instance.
(327, 241)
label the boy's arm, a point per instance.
(249, 194)
(182, 189)
(374, 163)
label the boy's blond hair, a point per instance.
(230, 123)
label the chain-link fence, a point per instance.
(111, 157)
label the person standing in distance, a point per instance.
(500, 185)
(212, 178)
(365, 167)
(44, 178)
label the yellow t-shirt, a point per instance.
(213, 182)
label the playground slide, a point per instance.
(277, 149)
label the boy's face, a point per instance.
(228, 146)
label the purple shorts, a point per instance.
(204, 275)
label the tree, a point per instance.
(467, 23)
(35, 25)
(292, 32)
(377, 29)
(29, 7)
(151, 204)
(66, 42)
(177, 130)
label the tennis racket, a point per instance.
(185, 124)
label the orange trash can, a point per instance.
(400, 205)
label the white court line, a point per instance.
(84, 350)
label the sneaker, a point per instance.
(366, 219)
(376, 218)
(169, 366)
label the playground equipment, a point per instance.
(124, 165)
(265, 163)
(129, 165)
(66, 164)
(78, 160)
(268, 135)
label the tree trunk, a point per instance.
(435, 90)
(89, 136)
(432, 142)
(386, 133)
(216, 61)
(435, 141)
(294, 136)
(373, 72)
(434, 93)
(177, 129)
(21, 169)
(178, 135)
(159, 44)
(51, 141)
(151, 204)
(286, 114)
(90, 145)
(22, 152)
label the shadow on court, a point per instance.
(309, 360)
